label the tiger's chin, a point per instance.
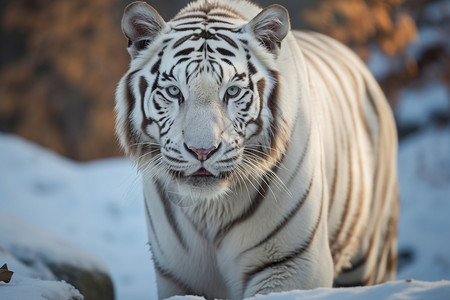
(194, 189)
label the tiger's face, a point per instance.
(200, 97)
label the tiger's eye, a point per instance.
(173, 91)
(233, 91)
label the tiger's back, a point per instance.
(267, 157)
(359, 131)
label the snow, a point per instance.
(35, 289)
(390, 290)
(424, 168)
(410, 290)
(45, 245)
(99, 206)
(31, 283)
(380, 64)
(418, 105)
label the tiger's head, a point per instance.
(199, 107)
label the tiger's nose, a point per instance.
(201, 154)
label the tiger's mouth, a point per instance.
(202, 178)
(202, 172)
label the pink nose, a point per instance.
(202, 154)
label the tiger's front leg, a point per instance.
(169, 287)
(275, 267)
(309, 269)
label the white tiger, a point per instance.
(268, 157)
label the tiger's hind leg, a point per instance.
(376, 259)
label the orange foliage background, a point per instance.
(61, 61)
(60, 93)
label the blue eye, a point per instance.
(173, 91)
(233, 91)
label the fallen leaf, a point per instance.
(5, 274)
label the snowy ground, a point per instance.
(99, 206)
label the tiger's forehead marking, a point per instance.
(200, 44)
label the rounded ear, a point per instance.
(270, 27)
(141, 23)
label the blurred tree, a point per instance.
(57, 88)
(359, 22)
(61, 60)
(426, 62)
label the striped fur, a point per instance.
(268, 156)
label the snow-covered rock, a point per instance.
(25, 283)
(98, 205)
(37, 289)
(49, 256)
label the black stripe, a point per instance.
(335, 137)
(353, 225)
(248, 212)
(227, 61)
(261, 84)
(346, 211)
(171, 277)
(189, 23)
(345, 216)
(181, 60)
(131, 101)
(175, 159)
(152, 226)
(219, 66)
(248, 276)
(228, 160)
(228, 151)
(251, 68)
(209, 20)
(163, 133)
(143, 86)
(169, 215)
(272, 102)
(155, 68)
(336, 168)
(209, 49)
(302, 158)
(182, 40)
(157, 106)
(286, 219)
(206, 35)
(232, 29)
(240, 76)
(186, 51)
(351, 73)
(225, 52)
(228, 40)
(360, 106)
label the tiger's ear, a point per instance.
(141, 24)
(270, 27)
